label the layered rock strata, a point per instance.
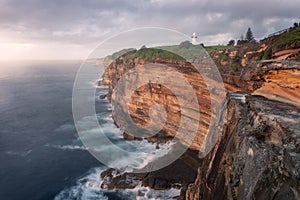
(258, 155)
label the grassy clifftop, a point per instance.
(229, 59)
(183, 51)
(150, 54)
(290, 36)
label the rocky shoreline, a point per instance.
(180, 174)
(258, 153)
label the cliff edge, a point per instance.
(258, 155)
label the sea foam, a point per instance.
(88, 188)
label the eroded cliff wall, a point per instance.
(258, 155)
(274, 79)
(153, 93)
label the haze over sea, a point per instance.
(41, 154)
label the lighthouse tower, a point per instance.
(194, 39)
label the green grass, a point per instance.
(187, 53)
(194, 50)
(267, 54)
(175, 52)
(288, 37)
(223, 57)
(119, 53)
(151, 54)
(211, 49)
(235, 66)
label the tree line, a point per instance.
(243, 40)
(249, 37)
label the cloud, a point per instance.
(88, 22)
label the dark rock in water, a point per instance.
(179, 174)
(154, 139)
(258, 155)
(102, 96)
(127, 136)
(159, 139)
(157, 146)
(113, 179)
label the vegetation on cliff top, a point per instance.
(183, 51)
(281, 40)
(288, 37)
(226, 60)
(119, 53)
(151, 54)
(211, 49)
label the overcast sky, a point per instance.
(70, 29)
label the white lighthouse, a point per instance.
(194, 39)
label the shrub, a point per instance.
(267, 54)
(235, 66)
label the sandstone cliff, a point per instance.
(257, 156)
(269, 68)
(274, 79)
(153, 93)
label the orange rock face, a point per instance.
(274, 79)
(282, 85)
(144, 97)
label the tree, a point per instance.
(231, 43)
(296, 25)
(249, 35)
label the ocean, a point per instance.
(41, 154)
